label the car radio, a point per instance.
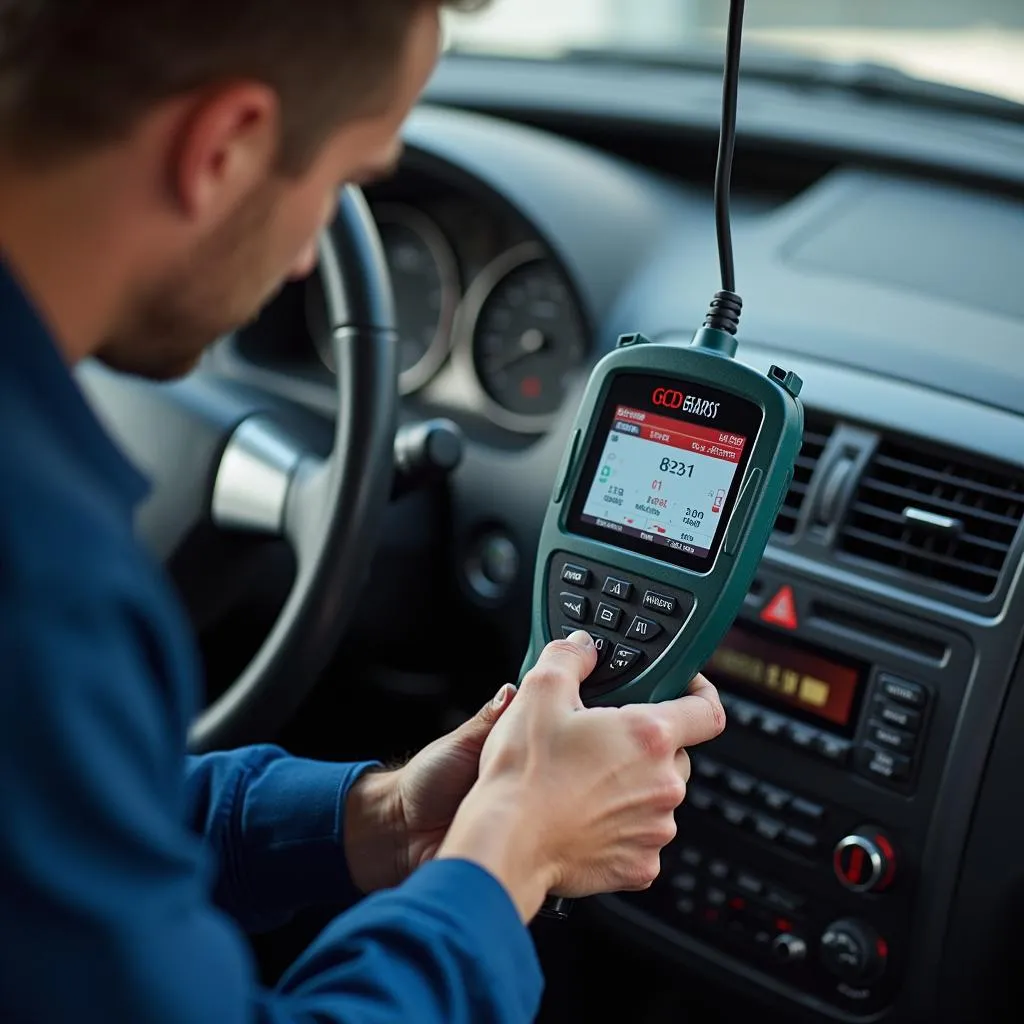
(843, 711)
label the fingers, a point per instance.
(695, 718)
(562, 666)
(495, 708)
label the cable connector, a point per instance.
(724, 312)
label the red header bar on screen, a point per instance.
(689, 437)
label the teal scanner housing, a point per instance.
(679, 460)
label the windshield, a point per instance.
(974, 44)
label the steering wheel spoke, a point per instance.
(257, 470)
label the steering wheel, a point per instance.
(223, 455)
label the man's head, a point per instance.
(200, 145)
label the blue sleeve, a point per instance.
(276, 826)
(106, 912)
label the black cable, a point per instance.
(725, 309)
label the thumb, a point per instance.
(562, 666)
(478, 728)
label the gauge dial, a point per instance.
(527, 338)
(425, 279)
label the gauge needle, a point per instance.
(530, 343)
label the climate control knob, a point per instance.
(853, 952)
(788, 948)
(864, 861)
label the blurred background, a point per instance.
(974, 44)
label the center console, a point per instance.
(800, 841)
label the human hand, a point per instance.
(573, 800)
(395, 821)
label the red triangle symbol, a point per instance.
(781, 610)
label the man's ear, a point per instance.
(227, 145)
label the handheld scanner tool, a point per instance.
(678, 463)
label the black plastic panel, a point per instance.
(823, 771)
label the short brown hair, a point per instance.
(75, 74)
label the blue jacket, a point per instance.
(129, 872)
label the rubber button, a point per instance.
(574, 606)
(643, 630)
(577, 575)
(622, 589)
(663, 603)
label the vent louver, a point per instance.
(935, 516)
(817, 432)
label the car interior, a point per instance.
(847, 848)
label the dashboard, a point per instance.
(846, 848)
(490, 327)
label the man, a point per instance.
(164, 165)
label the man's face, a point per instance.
(228, 275)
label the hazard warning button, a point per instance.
(781, 610)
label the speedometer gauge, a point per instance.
(526, 338)
(425, 278)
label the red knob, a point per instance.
(865, 861)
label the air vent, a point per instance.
(817, 432)
(936, 516)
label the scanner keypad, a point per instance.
(632, 619)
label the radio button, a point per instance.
(901, 717)
(740, 784)
(621, 589)
(623, 658)
(903, 692)
(892, 739)
(773, 725)
(746, 715)
(767, 828)
(883, 765)
(608, 616)
(574, 606)
(685, 882)
(749, 884)
(715, 897)
(577, 575)
(806, 809)
(780, 899)
(734, 814)
(718, 869)
(643, 630)
(801, 736)
(773, 798)
(706, 768)
(799, 840)
(663, 603)
(699, 798)
(691, 856)
(832, 748)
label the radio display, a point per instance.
(664, 468)
(789, 675)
